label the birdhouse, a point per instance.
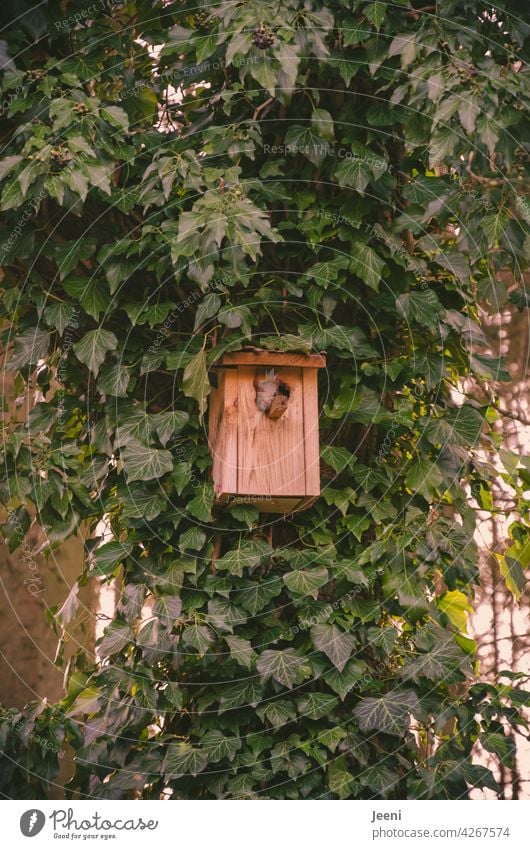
(263, 430)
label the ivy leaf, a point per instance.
(439, 664)
(305, 141)
(247, 555)
(70, 607)
(115, 638)
(218, 747)
(331, 737)
(336, 644)
(245, 513)
(142, 463)
(380, 778)
(87, 702)
(287, 342)
(116, 116)
(338, 458)
(316, 705)
(168, 608)
(209, 306)
(388, 713)
(93, 348)
(114, 381)
(198, 636)
(7, 163)
(201, 506)
(424, 477)
(375, 12)
(353, 173)
(60, 316)
(168, 424)
(501, 745)
(244, 693)
(456, 606)
(512, 564)
(195, 383)
(108, 556)
(29, 347)
(284, 666)
(91, 294)
(193, 539)
(241, 650)
(257, 595)
(468, 112)
(278, 713)
(340, 780)
(474, 774)
(235, 316)
(353, 675)
(383, 638)
(132, 424)
(306, 581)
(462, 426)
(367, 265)
(423, 307)
(182, 759)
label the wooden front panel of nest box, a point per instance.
(273, 463)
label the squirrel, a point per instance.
(269, 399)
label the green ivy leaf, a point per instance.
(306, 581)
(140, 503)
(354, 173)
(115, 380)
(183, 760)
(241, 650)
(455, 604)
(340, 780)
(219, 747)
(144, 464)
(336, 644)
(284, 666)
(201, 506)
(424, 477)
(199, 636)
(423, 307)
(195, 383)
(316, 705)
(107, 557)
(93, 348)
(193, 539)
(388, 713)
(29, 347)
(367, 265)
(115, 638)
(247, 555)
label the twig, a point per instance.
(261, 107)
(215, 553)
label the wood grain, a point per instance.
(223, 437)
(272, 358)
(311, 438)
(271, 452)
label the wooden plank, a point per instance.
(225, 437)
(265, 503)
(273, 358)
(270, 452)
(311, 436)
(215, 412)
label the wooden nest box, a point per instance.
(263, 430)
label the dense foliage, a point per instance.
(179, 181)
